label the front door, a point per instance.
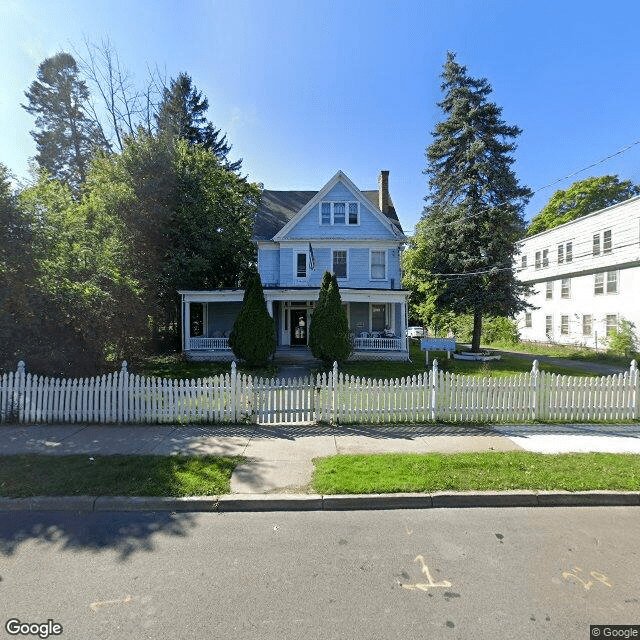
(298, 327)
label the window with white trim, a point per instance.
(598, 284)
(587, 322)
(612, 324)
(301, 265)
(549, 295)
(340, 264)
(564, 325)
(568, 252)
(565, 288)
(378, 265)
(537, 259)
(596, 244)
(524, 262)
(527, 319)
(548, 325)
(606, 241)
(339, 213)
(560, 253)
(545, 258)
(612, 282)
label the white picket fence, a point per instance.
(330, 397)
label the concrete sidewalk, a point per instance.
(279, 458)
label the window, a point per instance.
(564, 325)
(560, 253)
(301, 265)
(565, 288)
(524, 262)
(340, 264)
(527, 320)
(353, 213)
(596, 244)
(339, 213)
(326, 213)
(606, 242)
(586, 325)
(548, 325)
(568, 253)
(549, 289)
(545, 258)
(378, 265)
(378, 317)
(612, 324)
(537, 259)
(612, 282)
(598, 287)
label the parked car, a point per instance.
(416, 332)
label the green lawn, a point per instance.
(406, 473)
(39, 475)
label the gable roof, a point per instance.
(278, 208)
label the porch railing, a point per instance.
(209, 344)
(380, 344)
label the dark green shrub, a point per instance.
(253, 337)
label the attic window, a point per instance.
(339, 213)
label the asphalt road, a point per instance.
(438, 573)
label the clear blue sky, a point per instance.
(305, 88)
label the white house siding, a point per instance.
(619, 265)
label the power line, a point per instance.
(550, 184)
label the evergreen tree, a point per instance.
(253, 337)
(66, 137)
(581, 198)
(462, 254)
(317, 325)
(331, 341)
(181, 114)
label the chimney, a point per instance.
(383, 191)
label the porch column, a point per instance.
(186, 325)
(270, 307)
(403, 322)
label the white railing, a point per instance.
(329, 397)
(209, 344)
(380, 344)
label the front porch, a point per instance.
(377, 321)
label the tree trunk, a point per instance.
(477, 331)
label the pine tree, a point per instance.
(462, 254)
(181, 114)
(253, 337)
(66, 138)
(331, 341)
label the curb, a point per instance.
(256, 502)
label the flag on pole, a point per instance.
(312, 260)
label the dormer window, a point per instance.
(339, 213)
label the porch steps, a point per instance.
(294, 355)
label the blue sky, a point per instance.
(306, 88)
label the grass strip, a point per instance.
(490, 471)
(23, 476)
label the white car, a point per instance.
(416, 332)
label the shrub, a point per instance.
(253, 337)
(624, 341)
(500, 330)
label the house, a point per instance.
(585, 276)
(299, 235)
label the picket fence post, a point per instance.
(334, 403)
(434, 389)
(234, 395)
(633, 375)
(19, 396)
(535, 376)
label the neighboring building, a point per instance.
(300, 235)
(585, 275)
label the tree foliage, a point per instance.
(66, 137)
(182, 114)
(461, 255)
(253, 337)
(331, 341)
(581, 198)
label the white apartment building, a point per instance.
(585, 276)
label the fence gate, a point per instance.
(289, 401)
